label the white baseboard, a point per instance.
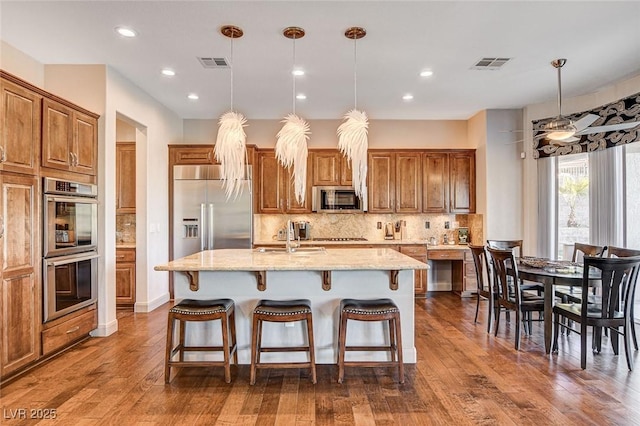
(152, 304)
(105, 330)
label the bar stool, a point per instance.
(370, 310)
(281, 311)
(202, 310)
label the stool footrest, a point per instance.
(197, 363)
(370, 348)
(369, 363)
(286, 349)
(283, 365)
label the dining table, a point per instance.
(551, 276)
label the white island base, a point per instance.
(282, 285)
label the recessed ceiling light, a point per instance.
(297, 72)
(426, 73)
(168, 72)
(301, 96)
(407, 97)
(193, 96)
(126, 32)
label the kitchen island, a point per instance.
(322, 276)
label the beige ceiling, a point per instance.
(600, 39)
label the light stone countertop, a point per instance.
(277, 243)
(328, 260)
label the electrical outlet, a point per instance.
(446, 225)
(379, 225)
(427, 225)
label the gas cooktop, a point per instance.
(341, 239)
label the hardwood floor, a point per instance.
(463, 376)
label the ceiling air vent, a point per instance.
(490, 63)
(214, 62)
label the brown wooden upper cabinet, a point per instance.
(69, 138)
(125, 177)
(275, 185)
(20, 111)
(395, 182)
(448, 182)
(331, 168)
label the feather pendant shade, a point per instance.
(230, 149)
(353, 143)
(291, 150)
(231, 152)
(352, 133)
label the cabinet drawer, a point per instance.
(445, 254)
(415, 251)
(69, 331)
(125, 255)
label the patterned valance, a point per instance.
(622, 111)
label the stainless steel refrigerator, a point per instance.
(203, 217)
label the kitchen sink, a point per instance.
(297, 250)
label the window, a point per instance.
(573, 202)
(632, 199)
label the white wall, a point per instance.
(382, 133)
(605, 95)
(504, 175)
(157, 127)
(20, 64)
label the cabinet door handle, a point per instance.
(209, 153)
(3, 154)
(75, 159)
(74, 329)
(1, 226)
(70, 158)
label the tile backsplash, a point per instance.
(126, 228)
(366, 225)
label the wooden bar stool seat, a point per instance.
(370, 310)
(201, 310)
(281, 311)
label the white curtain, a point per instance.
(547, 201)
(606, 197)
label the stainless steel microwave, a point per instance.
(337, 199)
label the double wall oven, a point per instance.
(70, 263)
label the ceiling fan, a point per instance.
(562, 130)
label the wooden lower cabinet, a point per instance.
(463, 273)
(20, 294)
(125, 277)
(418, 252)
(68, 329)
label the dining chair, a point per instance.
(509, 292)
(625, 252)
(618, 277)
(484, 288)
(570, 294)
(516, 246)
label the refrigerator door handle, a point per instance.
(203, 227)
(210, 227)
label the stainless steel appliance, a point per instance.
(70, 283)
(70, 259)
(70, 217)
(203, 218)
(337, 199)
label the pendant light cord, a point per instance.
(293, 75)
(355, 73)
(231, 72)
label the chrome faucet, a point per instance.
(291, 246)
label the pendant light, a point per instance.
(352, 133)
(230, 148)
(291, 140)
